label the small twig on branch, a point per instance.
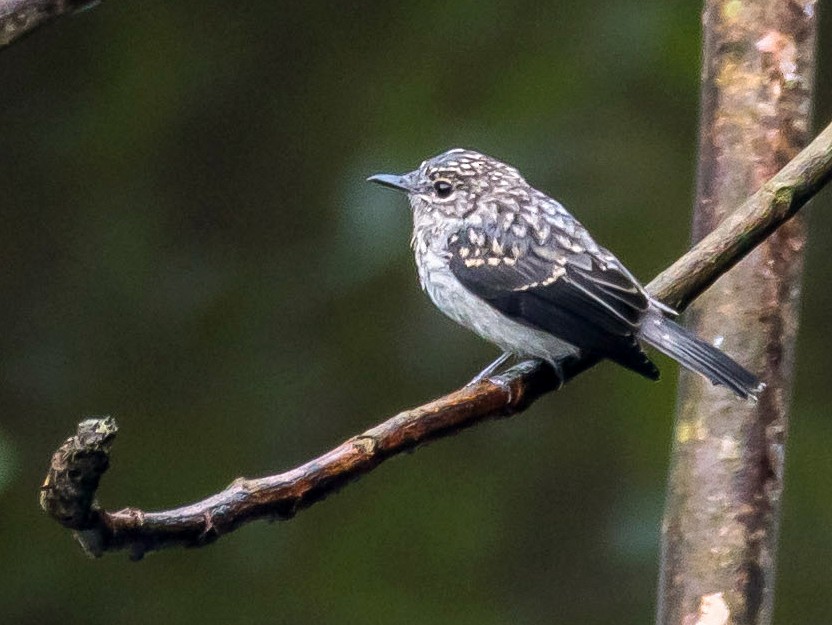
(68, 492)
(281, 496)
(20, 17)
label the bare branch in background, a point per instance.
(719, 539)
(20, 17)
(68, 493)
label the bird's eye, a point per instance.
(443, 188)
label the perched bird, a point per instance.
(510, 263)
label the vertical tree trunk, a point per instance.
(721, 521)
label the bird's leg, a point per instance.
(558, 368)
(490, 369)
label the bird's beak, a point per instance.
(394, 181)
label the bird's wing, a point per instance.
(584, 297)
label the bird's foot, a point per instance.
(490, 369)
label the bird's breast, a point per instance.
(474, 313)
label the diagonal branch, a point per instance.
(68, 492)
(20, 17)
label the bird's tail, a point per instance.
(695, 354)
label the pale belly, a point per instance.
(468, 310)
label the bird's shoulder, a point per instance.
(528, 233)
(534, 246)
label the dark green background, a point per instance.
(188, 244)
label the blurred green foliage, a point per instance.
(189, 245)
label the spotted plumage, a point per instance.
(511, 263)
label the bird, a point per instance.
(509, 262)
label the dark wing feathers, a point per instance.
(578, 296)
(611, 289)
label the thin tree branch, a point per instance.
(746, 227)
(720, 529)
(69, 487)
(18, 18)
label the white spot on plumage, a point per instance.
(543, 233)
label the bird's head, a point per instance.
(453, 182)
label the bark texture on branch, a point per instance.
(20, 17)
(719, 536)
(70, 498)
